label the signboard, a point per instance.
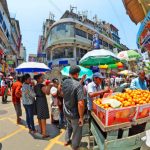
(10, 62)
(96, 41)
(143, 36)
(43, 55)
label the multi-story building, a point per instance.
(15, 42)
(23, 54)
(65, 41)
(32, 58)
(5, 31)
(10, 38)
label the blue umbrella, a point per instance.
(88, 72)
(32, 67)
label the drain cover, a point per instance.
(3, 112)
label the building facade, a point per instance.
(23, 55)
(10, 39)
(32, 58)
(65, 41)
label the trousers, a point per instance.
(73, 129)
(29, 116)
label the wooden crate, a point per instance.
(108, 138)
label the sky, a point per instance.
(32, 13)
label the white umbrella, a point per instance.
(99, 57)
(32, 67)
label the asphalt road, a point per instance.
(17, 137)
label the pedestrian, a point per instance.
(28, 98)
(16, 97)
(73, 107)
(41, 91)
(139, 82)
(4, 90)
(94, 89)
(57, 102)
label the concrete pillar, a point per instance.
(74, 52)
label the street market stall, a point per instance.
(121, 121)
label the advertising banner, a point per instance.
(96, 41)
(143, 36)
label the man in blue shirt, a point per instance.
(139, 82)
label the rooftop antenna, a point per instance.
(72, 9)
(85, 13)
(51, 16)
(95, 18)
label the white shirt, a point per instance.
(3, 83)
(92, 87)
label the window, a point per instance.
(100, 41)
(80, 33)
(7, 34)
(105, 44)
(80, 53)
(65, 52)
(61, 31)
(4, 26)
(1, 17)
(61, 27)
(111, 47)
(90, 37)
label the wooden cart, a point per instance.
(125, 136)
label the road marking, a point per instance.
(54, 140)
(60, 143)
(4, 118)
(5, 108)
(10, 135)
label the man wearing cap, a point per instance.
(139, 82)
(94, 89)
(73, 107)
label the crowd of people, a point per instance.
(71, 99)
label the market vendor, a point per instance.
(94, 89)
(139, 82)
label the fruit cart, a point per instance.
(121, 128)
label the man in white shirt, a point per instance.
(94, 89)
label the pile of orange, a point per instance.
(133, 97)
(128, 98)
(99, 103)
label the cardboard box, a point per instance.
(143, 111)
(116, 116)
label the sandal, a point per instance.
(45, 136)
(67, 143)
